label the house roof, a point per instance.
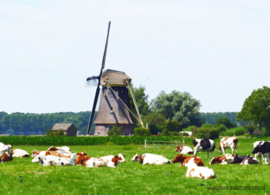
(63, 126)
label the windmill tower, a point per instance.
(114, 108)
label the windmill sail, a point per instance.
(98, 89)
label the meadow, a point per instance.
(129, 177)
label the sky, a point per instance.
(218, 51)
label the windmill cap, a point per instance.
(114, 78)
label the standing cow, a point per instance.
(207, 145)
(228, 142)
(262, 148)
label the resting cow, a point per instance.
(5, 149)
(200, 172)
(100, 162)
(249, 160)
(225, 159)
(188, 160)
(184, 150)
(110, 157)
(204, 145)
(148, 158)
(59, 161)
(20, 153)
(228, 142)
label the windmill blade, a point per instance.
(106, 45)
(99, 77)
(91, 83)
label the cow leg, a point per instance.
(207, 154)
(213, 153)
(222, 149)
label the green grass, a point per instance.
(129, 177)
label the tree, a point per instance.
(225, 121)
(155, 121)
(177, 106)
(173, 125)
(256, 108)
(142, 131)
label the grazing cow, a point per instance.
(5, 149)
(54, 160)
(188, 160)
(20, 153)
(259, 154)
(148, 158)
(200, 172)
(184, 150)
(228, 142)
(249, 160)
(263, 149)
(225, 159)
(204, 145)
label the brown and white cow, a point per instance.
(20, 153)
(100, 162)
(188, 160)
(81, 157)
(184, 150)
(228, 142)
(200, 172)
(225, 159)
(5, 149)
(6, 157)
(149, 158)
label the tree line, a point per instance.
(37, 124)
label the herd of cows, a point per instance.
(62, 156)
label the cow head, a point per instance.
(179, 148)
(179, 158)
(135, 158)
(115, 160)
(121, 157)
(81, 158)
(195, 142)
(35, 153)
(257, 149)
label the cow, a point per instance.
(54, 160)
(238, 159)
(6, 157)
(262, 148)
(101, 162)
(5, 149)
(228, 142)
(200, 172)
(259, 154)
(188, 160)
(148, 158)
(20, 153)
(81, 157)
(35, 153)
(120, 157)
(249, 160)
(39, 156)
(184, 150)
(61, 151)
(225, 159)
(204, 145)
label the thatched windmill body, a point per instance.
(114, 108)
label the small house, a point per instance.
(68, 128)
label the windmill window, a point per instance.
(99, 133)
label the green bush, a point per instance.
(174, 133)
(115, 131)
(239, 130)
(205, 133)
(61, 132)
(221, 128)
(173, 125)
(142, 131)
(190, 128)
(250, 128)
(206, 125)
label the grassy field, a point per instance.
(129, 177)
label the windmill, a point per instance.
(114, 106)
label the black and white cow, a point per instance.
(262, 148)
(244, 160)
(204, 145)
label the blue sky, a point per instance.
(218, 51)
